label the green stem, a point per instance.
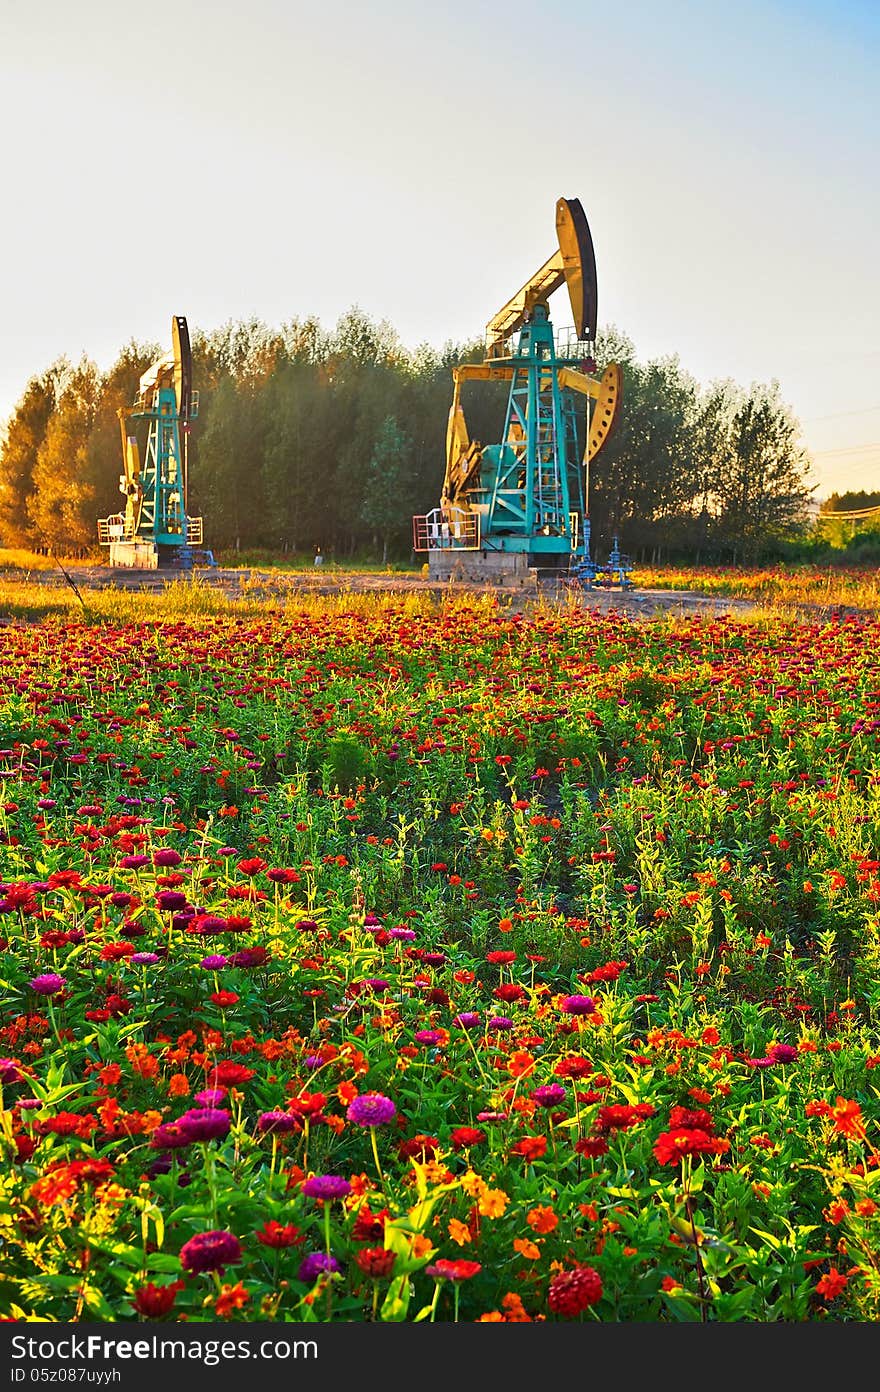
(326, 1226)
(378, 1165)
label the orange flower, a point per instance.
(530, 1250)
(505, 925)
(516, 1313)
(178, 1085)
(492, 1203)
(848, 1120)
(230, 1299)
(521, 1064)
(54, 1188)
(542, 1219)
(836, 1212)
(142, 1061)
(459, 1232)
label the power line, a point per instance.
(837, 415)
(849, 449)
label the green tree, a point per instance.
(61, 507)
(22, 441)
(387, 506)
(761, 493)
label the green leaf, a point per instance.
(396, 1302)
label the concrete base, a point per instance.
(483, 567)
(134, 555)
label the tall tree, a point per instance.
(61, 507)
(761, 488)
(23, 439)
(387, 503)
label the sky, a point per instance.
(279, 159)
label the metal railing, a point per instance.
(567, 345)
(114, 528)
(447, 529)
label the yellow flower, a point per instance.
(472, 1184)
(492, 1203)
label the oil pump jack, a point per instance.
(522, 505)
(154, 531)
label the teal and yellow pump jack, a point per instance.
(522, 505)
(154, 531)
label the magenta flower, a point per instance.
(278, 1122)
(48, 985)
(210, 1251)
(206, 1123)
(326, 1186)
(171, 899)
(371, 1109)
(166, 857)
(550, 1095)
(578, 1005)
(314, 1264)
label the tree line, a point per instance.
(311, 438)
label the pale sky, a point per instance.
(278, 159)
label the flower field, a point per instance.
(790, 585)
(393, 960)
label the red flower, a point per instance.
(573, 1291)
(592, 1148)
(831, 1284)
(670, 1146)
(154, 1301)
(419, 1147)
(620, 1117)
(692, 1120)
(252, 866)
(375, 1262)
(464, 1136)
(228, 1073)
(368, 1226)
(530, 1147)
(444, 1270)
(509, 992)
(275, 1234)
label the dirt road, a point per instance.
(245, 582)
